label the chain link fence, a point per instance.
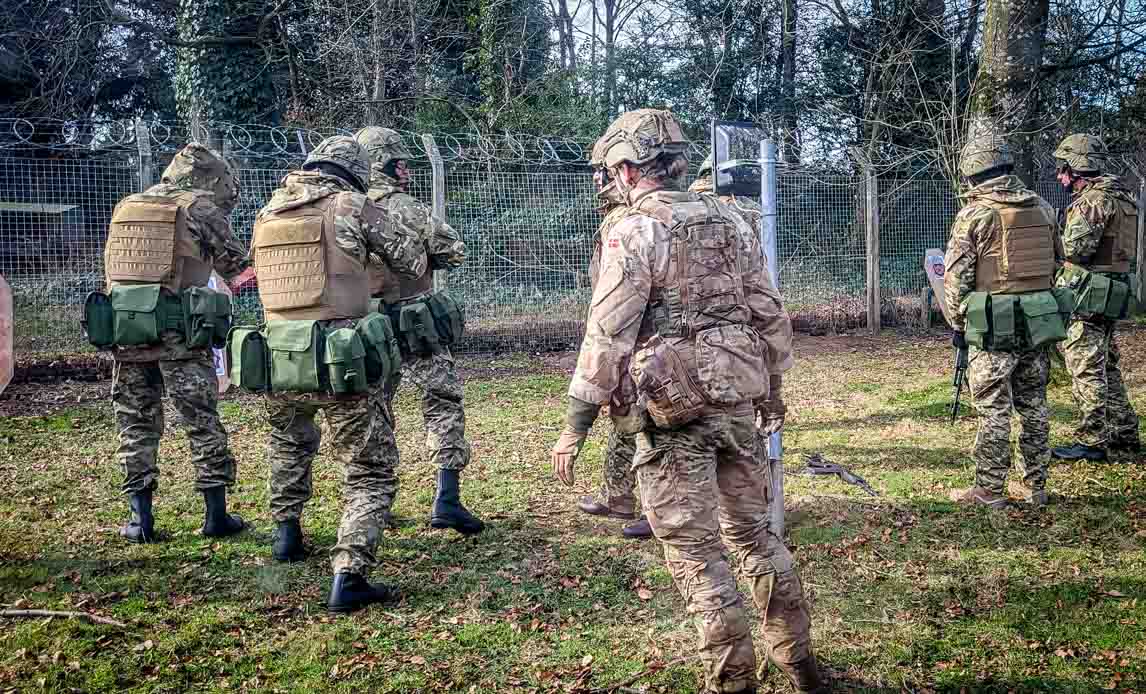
(525, 207)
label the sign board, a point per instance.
(7, 354)
(220, 285)
(933, 266)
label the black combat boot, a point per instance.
(448, 511)
(141, 527)
(216, 521)
(1079, 451)
(288, 542)
(639, 530)
(351, 592)
(805, 676)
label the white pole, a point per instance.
(771, 257)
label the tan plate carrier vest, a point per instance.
(1119, 238)
(303, 273)
(149, 243)
(1021, 259)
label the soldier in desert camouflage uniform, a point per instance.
(746, 207)
(435, 374)
(1003, 243)
(1099, 237)
(188, 211)
(702, 367)
(322, 211)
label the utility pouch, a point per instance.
(416, 329)
(345, 361)
(208, 317)
(449, 318)
(383, 357)
(140, 315)
(978, 319)
(1044, 323)
(99, 320)
(730, 364)
(1066, 299)
(1118, 302)
(294, 347)
(672, 398)
(248, 359)
(1005, 336)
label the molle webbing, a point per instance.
(1021, 259)
(1118, 239)
(148, 243)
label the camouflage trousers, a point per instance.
(1005, 385)
(698, 483)
(1092, 357)
(618, 480)
(362, 441)
(443, 406)
(137, 399)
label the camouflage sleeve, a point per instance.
(213, 230)
(768, 315)
(392, 240)
(1085, 220)
(444, 245)
(972, 226)
(1052, 216)
(615, 313)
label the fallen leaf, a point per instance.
(145, 646)
(418, 660)
(1114, 594)
(586, 661)
(644, 593)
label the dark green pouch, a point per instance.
(382, 355)
(1005, 336)
(449, 318)
(345, 362)
(1118, 301)
(99, 320)
(294, 346)
(1066, 299)
(1043, 320)
(978, 319)
(139, 314)
(248, 359)
(208, 317)
(417, 330)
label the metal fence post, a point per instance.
(438, 196)
(1141, 279)
(772, 258)
(143, 145)
(872, 221)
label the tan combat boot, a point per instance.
(1034, 497)
(978, 495)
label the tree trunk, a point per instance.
(790, 151)
(1005, 98)
(378, 81)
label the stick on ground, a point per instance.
(83, 616)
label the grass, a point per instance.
(909, 592)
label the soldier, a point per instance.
(1099, 238)
(435, 373)
(163, 245)
(684, 296)
(619, 481)
(311, 246)
(1001, 261)
(748, 208)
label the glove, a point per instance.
(565, 453)
(770, 413)
(245, 278)
(959, 339)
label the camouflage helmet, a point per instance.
(983, 153)
(1082, 153)
(199, 167)
(382, 144)
(344, 152)
(639, 137)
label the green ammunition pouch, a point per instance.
(1097, 296)
(1015, 322)
(383, 358)
(99, 320)
(449, 318)
(295, 347)
(208, 317)
(248, 359)
(417, 332)
(345, 361)
(142, 313)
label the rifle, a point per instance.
(960, 376)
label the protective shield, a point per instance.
(736, 157)
(220, 285)
(933, 266)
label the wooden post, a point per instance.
(438, 195)
(1140, 280)
(872, 218)
(143, 145)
